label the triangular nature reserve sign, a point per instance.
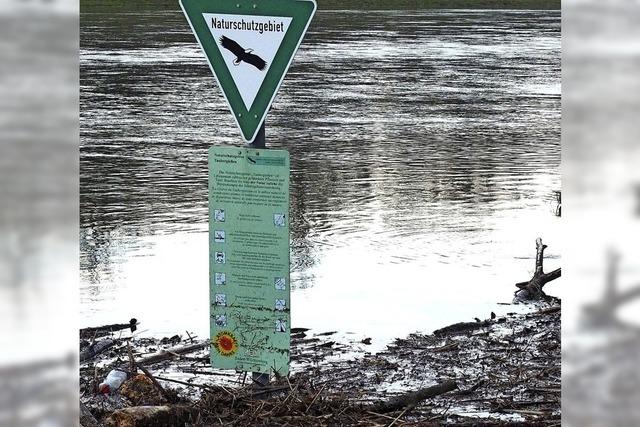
(249, 46)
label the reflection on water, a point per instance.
(425, 147)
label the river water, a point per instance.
(425, 148)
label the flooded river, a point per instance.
(425, 149)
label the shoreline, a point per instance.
(506, 371)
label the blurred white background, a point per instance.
(601, 186)
(38, 212)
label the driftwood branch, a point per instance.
(414, 397)
(548, 310)
(532, 289)
(169, 353)
(156, 384)
(88, 333)
(461, 328)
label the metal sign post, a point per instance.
(260, 379)
(260, 140)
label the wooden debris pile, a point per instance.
(503, 371)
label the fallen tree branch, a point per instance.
(532, 290)
(413, 398)
(211, 388)
(172, 352)
(548, 310)
(88, 333)
(461, 327)
(156, 384)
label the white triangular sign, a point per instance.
(248, 45)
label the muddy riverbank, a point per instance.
(494, 371)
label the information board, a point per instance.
(249, 259)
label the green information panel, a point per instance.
(249, 259)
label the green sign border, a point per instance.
(301, 12)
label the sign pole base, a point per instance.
(260, 380)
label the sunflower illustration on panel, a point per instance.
(225, 342)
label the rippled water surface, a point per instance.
(425, 148)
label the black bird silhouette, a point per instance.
(242, 54)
